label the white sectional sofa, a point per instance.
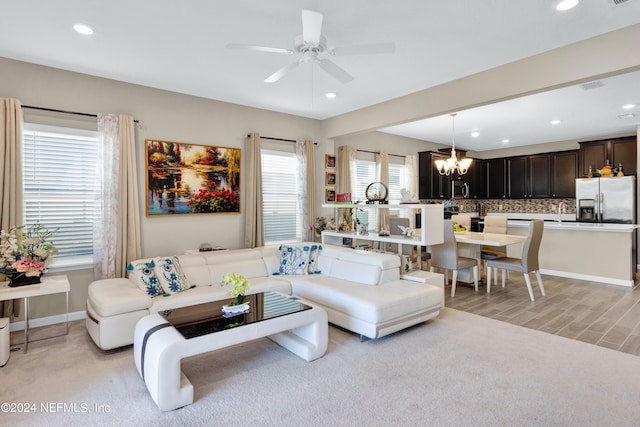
(361, 291)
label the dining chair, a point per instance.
(528, 263)
(497, 225)
(445, 256)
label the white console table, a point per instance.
(49, 285)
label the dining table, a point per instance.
(488, 239)
(470, 245)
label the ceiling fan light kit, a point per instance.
(311, 44)
(446, 167)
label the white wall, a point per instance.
(166, 116)
(162, 115)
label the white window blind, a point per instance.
(60, 185)
(365, 175)
(280, 197)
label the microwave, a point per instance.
(459, 189)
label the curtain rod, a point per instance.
(279, 139)
(63, 111)
(377, 152)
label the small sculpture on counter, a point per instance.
(408, 196)
(406, 231)
(331, 225)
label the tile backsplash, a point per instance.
(537, 206)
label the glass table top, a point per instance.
(207, 318)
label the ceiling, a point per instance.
(181, 47)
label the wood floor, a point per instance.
(596, 313)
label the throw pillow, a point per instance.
(170, 275)
(294, 259)
(142, 274)
(314, 254)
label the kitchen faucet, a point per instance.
(560, 211)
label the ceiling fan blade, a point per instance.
(259, 48)
(311, 27)
(364, 49)
(281, 72)
(338, 73)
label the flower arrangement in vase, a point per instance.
(25, 253)
(240, 287)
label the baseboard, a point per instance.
(46, 321)
(608, 280)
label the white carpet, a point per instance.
(459, 369)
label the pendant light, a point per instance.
(446, 167)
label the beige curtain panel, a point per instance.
(253, 228)
(11, 187)
(129, 241)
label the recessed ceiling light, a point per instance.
(505, 141)
(330, 95)
(555, 122)
(563, 5)
(475, 134)
(83, 29)
(629, 106)
(626, 116)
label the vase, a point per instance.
(22, 280)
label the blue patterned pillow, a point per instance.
(314, 254)
(170, 275)
(294, 259)
(142, 274)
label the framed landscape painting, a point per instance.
(191, 179)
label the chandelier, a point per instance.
(446, 167)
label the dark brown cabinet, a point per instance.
(544, 175)
(516, 177)
(564, 171)
(432, 185)
(617, 151)
(476, 178)
(528, 176)
(539, 175)
(496, 184)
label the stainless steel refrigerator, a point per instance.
(610, 199)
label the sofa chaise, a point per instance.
(361, 291)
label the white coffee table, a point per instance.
(162, 340)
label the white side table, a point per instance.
(50, 285)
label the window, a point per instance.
(280, 197)
(365, 175)
(60, 185)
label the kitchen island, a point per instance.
(603, 253)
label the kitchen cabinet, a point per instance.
(617, 151)
(564, 171)
(476, 178)
(516, 177)
(432, 185)
(528, 176)
(496, 184)
(539, 175)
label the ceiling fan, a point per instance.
(312, 46)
